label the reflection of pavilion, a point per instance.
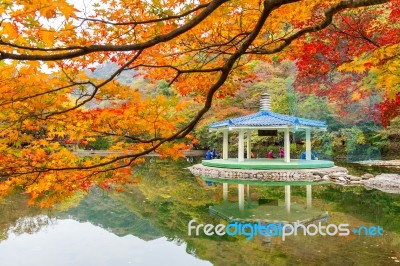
(267, 210)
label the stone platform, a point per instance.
(315, 174)
(266, 164)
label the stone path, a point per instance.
(385, 163)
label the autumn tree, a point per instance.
(354, 58)
(198, 47)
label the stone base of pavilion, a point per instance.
(272, 170)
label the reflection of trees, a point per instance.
(16, 217)
(101, 208)
(31, 225)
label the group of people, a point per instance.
(213, 154)
(270, 155)
(314, 155)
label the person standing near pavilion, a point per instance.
(214, 153)
(281, 152)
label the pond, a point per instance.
(147, 224)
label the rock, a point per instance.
(316, 177)
(326, 178)
(337, 175)
(386, 182)
(319, 173)
(341, 178)
(367, 176)
(354, 178)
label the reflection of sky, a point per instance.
(69, 242)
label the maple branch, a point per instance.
(135, 139)
(78, 51)
(325, 23)
(181, 71)
(214, 45)
(96, 88)
(147, 21)
(359, 30)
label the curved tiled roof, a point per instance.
(266, 119)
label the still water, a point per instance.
(147, 224)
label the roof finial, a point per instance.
(265, 103)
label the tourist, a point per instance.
(208, 155)
(314, 155)
(214, 153)
(281, 152)
(270, 155)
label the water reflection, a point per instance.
(31, 225)
(147, 224)
(69, 242)
(254, 208)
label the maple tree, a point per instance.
(355, 57)
(198, 47)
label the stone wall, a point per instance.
(320, 174)
(339, 175)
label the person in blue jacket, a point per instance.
(208, 155)
(314, 155)
(214, 153)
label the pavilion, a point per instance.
(267, 123)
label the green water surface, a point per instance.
(147, 224)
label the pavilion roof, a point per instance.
(268, 119)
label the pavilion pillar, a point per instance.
(225, 145)
(241, 196)
(287, 198)
(248, 134)
(225, 191)
(309, 198)
(287, 145)
(241, 146)
(308, 144)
